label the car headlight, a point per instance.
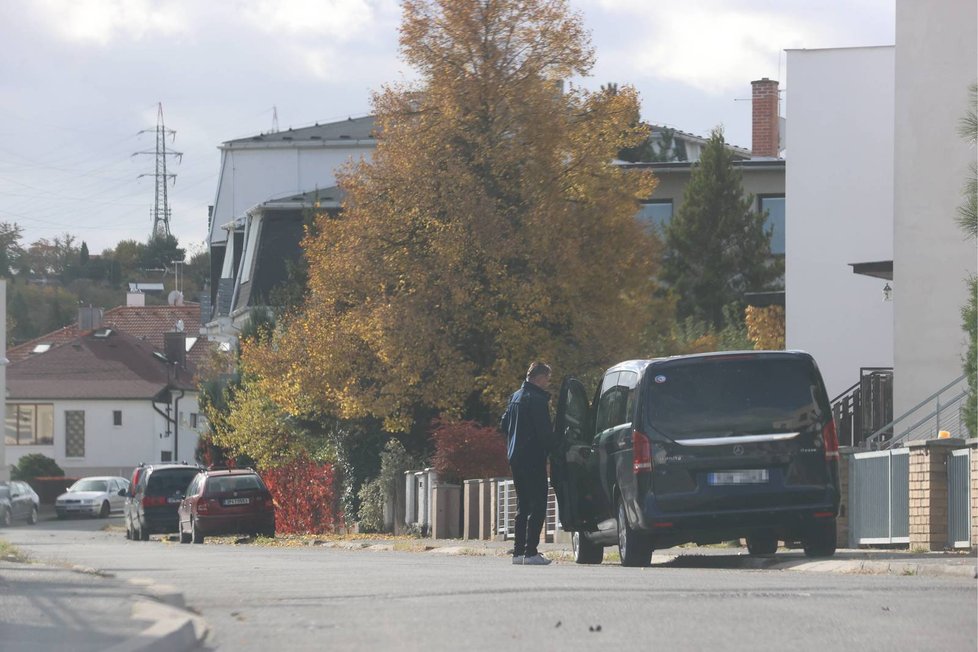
(89, 501)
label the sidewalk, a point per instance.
(48, 608)
(854, 561)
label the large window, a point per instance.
(774, 205)
(29, 425)
(654, 215)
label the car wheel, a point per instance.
(763, 543)
(820, 540)
(195, 534)
(32, 518)
(586, 552)
(634, 548)
(184, 536)
(6, 518)
(104, 512)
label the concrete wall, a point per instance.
(839, 208)
(115, 450)
(672, 184)
(936, 61)
(250, 176)
(4, 466)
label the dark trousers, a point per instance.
(530, 481)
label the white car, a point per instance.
(95, 496)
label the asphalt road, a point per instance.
(312, 598)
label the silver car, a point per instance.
(94, 496)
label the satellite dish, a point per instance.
(175, 298)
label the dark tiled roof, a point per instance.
(349, 129)
(92, 367)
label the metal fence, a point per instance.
(959, 498)
(879, 497)
(506, 511)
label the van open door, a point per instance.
(571, 456)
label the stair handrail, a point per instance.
(942, 406)
(879, 432)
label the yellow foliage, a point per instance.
(765, 327)
(489, 229)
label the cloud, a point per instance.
(709, 45)
(339, 19)
(102, 21)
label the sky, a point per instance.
(80, 79)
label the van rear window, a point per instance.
(739, 395)
(167, 482)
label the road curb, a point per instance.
(173, 629)
(870, 567)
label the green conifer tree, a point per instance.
(717, 246)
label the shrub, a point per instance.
(305, 497)
(465, 450)
(394, 461)
(35, 465)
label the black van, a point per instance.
(699, 448)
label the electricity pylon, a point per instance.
(161, 208)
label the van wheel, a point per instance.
(820, 540)
(142, 533)
(634, 548)
(586, 552)
(764, 543)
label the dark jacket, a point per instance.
(527, 425)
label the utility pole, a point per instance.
(161, 207)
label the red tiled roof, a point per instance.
(114, 366)
(145, 322)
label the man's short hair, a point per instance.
(537, 369)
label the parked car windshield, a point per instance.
(90, 485)
(166, 482)
(734, 396)
(232, 483)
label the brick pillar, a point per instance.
(765, 140)
(842, 523)
(928, 492)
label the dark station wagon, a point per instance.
(700, 448)
(224, 501)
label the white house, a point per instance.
(101, 403)
(875, 173)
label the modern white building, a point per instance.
(876, 170)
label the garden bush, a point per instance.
(35, 465)
(305, 497)
(466, 450)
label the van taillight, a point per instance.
(831, 441)
(154, 501)
(641, 453)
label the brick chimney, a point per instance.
(765, 118)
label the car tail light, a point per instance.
(830, 440)
(154, 501)
(641, 453)
(204, 505)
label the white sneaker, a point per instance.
(536, 560)
(517, 561)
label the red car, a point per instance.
(220, 502)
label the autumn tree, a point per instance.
(717, 247)
(490, 228)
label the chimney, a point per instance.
(765, 118)
(135, 299)
(89, 318)
(175, 347)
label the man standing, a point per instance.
(529, 432)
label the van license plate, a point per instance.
(750, 476)
(237, 501)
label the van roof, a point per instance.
(640, 365)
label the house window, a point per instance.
(774, 205)
(193, 420)
(116, 417)
(29, 425)
(74, 433)
(654, 215)
(166, 456)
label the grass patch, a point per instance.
(10, 553)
